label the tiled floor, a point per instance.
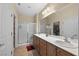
(22, 51)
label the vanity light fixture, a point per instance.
(46, 11)
(49, 10)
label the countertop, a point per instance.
(53, 40)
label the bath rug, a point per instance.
(30, 47)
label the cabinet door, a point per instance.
(42, 47)
(61, 52)
(37, 44)
(51, 50)
(35, 53)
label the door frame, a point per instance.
(14, 17)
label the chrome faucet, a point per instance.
(66, 40)
(73, 36)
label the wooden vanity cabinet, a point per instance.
(51, 49)
(44, 48)
(61, 52)
(36, 45)
(42, 51)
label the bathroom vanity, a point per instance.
(47, 46)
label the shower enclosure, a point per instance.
(26, 32)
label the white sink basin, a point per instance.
(42, 34)
(65, 44)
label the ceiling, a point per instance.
(30, 9)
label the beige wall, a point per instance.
(25, 19)
(37, 21)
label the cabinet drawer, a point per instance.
(42, 42)
(61, 52)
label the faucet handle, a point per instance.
(73, 36)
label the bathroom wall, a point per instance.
(25, 19)
(37, 21)
(68, 18)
